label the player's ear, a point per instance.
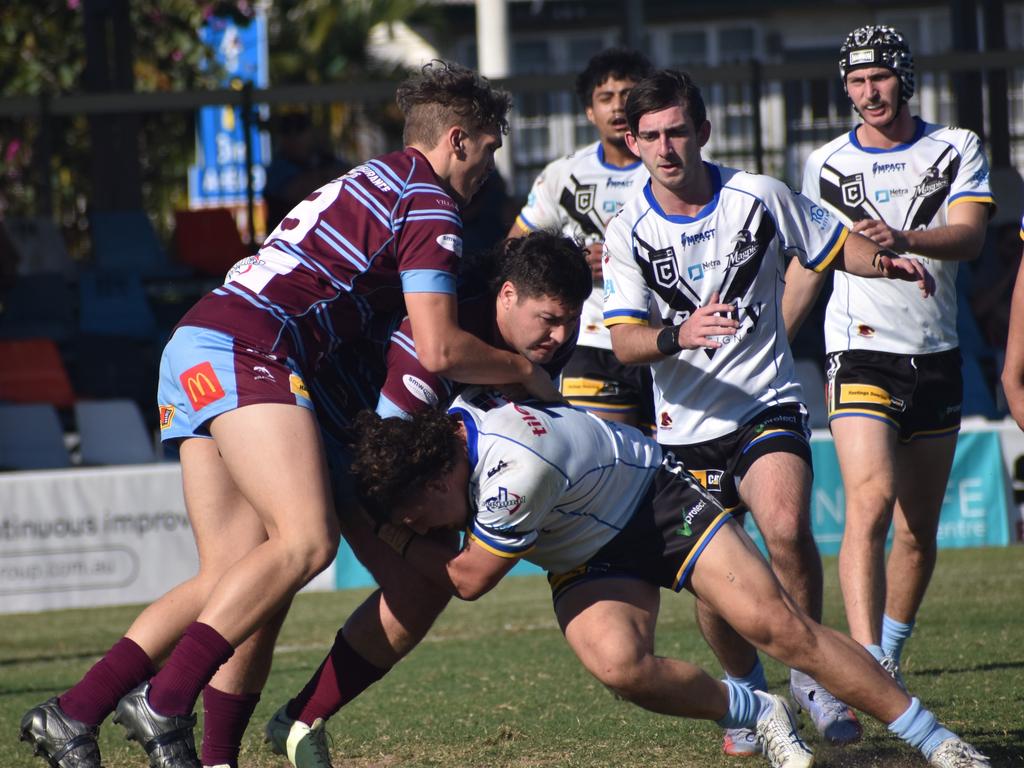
(631, 143)
(507, 294)
(455, 139)
(704, 133)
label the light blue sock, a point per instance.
(754, 679)
(920, 729)
(876, 651)
(744, 706)
(894, 635)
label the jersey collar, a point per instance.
(609, 166)
(716, 186)
(918, 133)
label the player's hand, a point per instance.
(595, 257)
(713, 319)
(539, 386)
(910, 270)
(882, 234)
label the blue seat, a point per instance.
(39, 305)
(114, 304)
(125, 241)
(31, 438)
(113, 432)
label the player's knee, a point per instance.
(627, 675)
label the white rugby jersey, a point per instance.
(551, 484)
(911, 186)
(578, 195)
(659, 268)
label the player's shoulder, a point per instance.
(635, 210)
(822, 153)
(950, 134)
(756, 184)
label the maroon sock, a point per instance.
(94, 697)
(193, 662)
(225, 716)
(343, 676)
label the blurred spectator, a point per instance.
(487, 217)
(993, 285)
(300, 165)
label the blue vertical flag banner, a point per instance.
(219, 175)
(976, 508)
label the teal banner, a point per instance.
(975, 509)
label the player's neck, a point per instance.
(617, 154)
(688, 199)
(900, 131)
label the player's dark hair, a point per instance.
(544, 264)
(394, 458)
(444, 94)
(665, 88)
(619, 63)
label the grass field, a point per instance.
(495, 684)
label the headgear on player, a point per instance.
(878, 46)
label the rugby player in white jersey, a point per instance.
(893, 362)
(612, 518)
(578, 195)
(693, 285)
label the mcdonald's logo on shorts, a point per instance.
(201, 385)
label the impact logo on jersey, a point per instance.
(700, 237)
(420, 389)
(663, 264)
(451, 243)
(877, 168)
(504, 501)
(852, 188)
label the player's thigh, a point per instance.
(609, 623)
(733, 578)
(224, 523)
(866, 450)
(274, 454)
(776, 488)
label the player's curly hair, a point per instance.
(542, 264)
(665, 88)
(620, 63)
(444, 94)
(394, 458)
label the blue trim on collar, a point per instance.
(716, 185)
(918, 133)
(472, 434)
(609, 166)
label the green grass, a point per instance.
(495, 684)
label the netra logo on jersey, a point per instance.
(701, 237)
(877, 168)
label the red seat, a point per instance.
(207, 240)
(31, 371)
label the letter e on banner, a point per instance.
(201, 385)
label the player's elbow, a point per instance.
(469, 587)
(438, 357)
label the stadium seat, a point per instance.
(125, 241)
(31, 438)
(113, 432)
(208, 240)
(33, 372)
(114, 304)
(39, 247)
(38, 305)
(812, 381)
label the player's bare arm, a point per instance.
(862, 257)
(1013, 367)
(802, 288)
(640, 344)
(960, 240)
(467, 574)
(444, 348)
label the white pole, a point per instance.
(494, 61)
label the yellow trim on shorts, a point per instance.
(840, 412)
(501, 553)
(931, 433)
(827, 261)
(696, 549)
